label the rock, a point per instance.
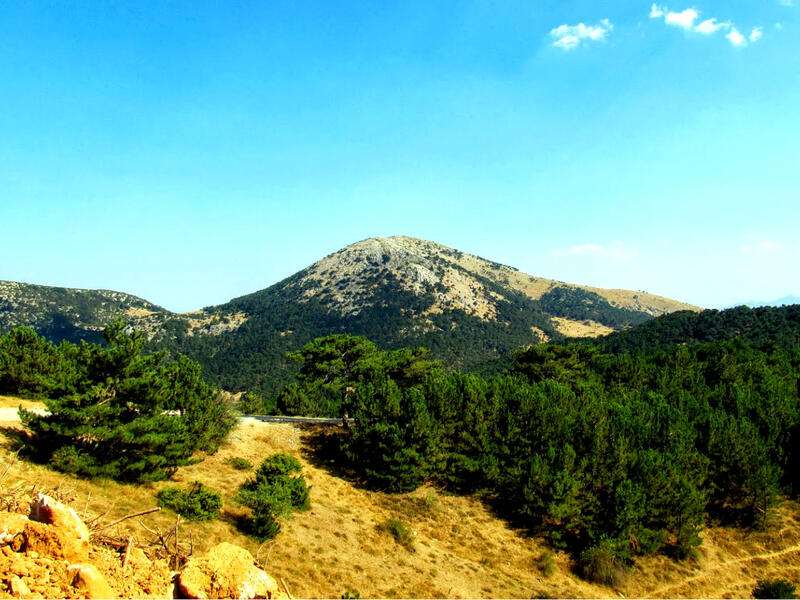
(11, 525)
(87, 579)
(47, 510)
(55, 542)
(227, 571)
(57, 530)
(17, 587)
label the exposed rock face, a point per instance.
(227, 571)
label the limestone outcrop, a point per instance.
(227, 571)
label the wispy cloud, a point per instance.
(760, 248)
(687, 18)
(786, 2)
(710, 26)
(736, 38)
(568, 37)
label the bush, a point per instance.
(774, 588)
(546, 563)
(604, 564)
(198, 503)
(399, 531)
(430, 503)
(273, 492)
(239, 463)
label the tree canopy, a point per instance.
(125, 414)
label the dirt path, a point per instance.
(662, 591)
(10, 415)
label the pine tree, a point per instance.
(131, 416)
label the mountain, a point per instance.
(67, 313)
(785, 301)
(397, 291)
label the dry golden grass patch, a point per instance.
(12, 402)
(587, 328)
(459, 548)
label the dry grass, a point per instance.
(459, 550)
(11, 402)
(572, 328)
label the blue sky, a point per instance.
(190, 152)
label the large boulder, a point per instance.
(47, 510)
(88, 580)
(227, 571)
(55, 542)
(55, 529)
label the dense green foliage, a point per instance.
(31, 367)
(775, 588)
(198, 503)
(275, 491)
(612, 454)
(113, 411)
(761, 327)
(333, 367)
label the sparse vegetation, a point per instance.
(198, 503)
(604, 564)
(239, 463)
(399, 531)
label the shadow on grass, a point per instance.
(321, 448)
(13, 438)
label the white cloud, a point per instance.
(568, 37)
(736, 38)
(786, 2)
(686, 20)
(683, 19)
(710, 26)
(779, 26)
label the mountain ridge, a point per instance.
(472, 313)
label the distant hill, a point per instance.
(67, 313)
(785, 301)
(398, 291)
(760, 327)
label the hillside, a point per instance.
(760, 327)
(67, 313)
(398, 291)
(460, 548)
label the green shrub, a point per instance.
(239, 463)
(774, 588)
(399, 531)
(198, 503)
(604, 564)
(273, 492)
(430, 503)
(546, 563)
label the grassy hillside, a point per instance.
(459, 549)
